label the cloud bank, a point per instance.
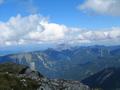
(109, 7)
(37, 29)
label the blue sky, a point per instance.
(52, 22)
(61, 12)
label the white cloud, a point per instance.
(109, 7)
(37, 29)
(29, 29)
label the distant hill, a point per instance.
(107, 79)
(75, 63)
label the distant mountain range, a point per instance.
(107, 79)
(76, 63)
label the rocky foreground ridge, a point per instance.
(20, 77)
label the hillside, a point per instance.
(107, 79)
(75, 63)
(18, 77)
(11, 79)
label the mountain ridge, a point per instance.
(82, 61)
(106, 79)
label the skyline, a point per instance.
(27, 22)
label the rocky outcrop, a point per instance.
(27, 72)
(26, 79)
(46, 84)
(52, 84)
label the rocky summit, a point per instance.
(46, 84)
(19, 77)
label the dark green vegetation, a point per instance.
(107, 79)
(10, 80)
(10, 67)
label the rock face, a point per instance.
(55, 84)
(19, 77)
(52, 84)
(31, 74)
